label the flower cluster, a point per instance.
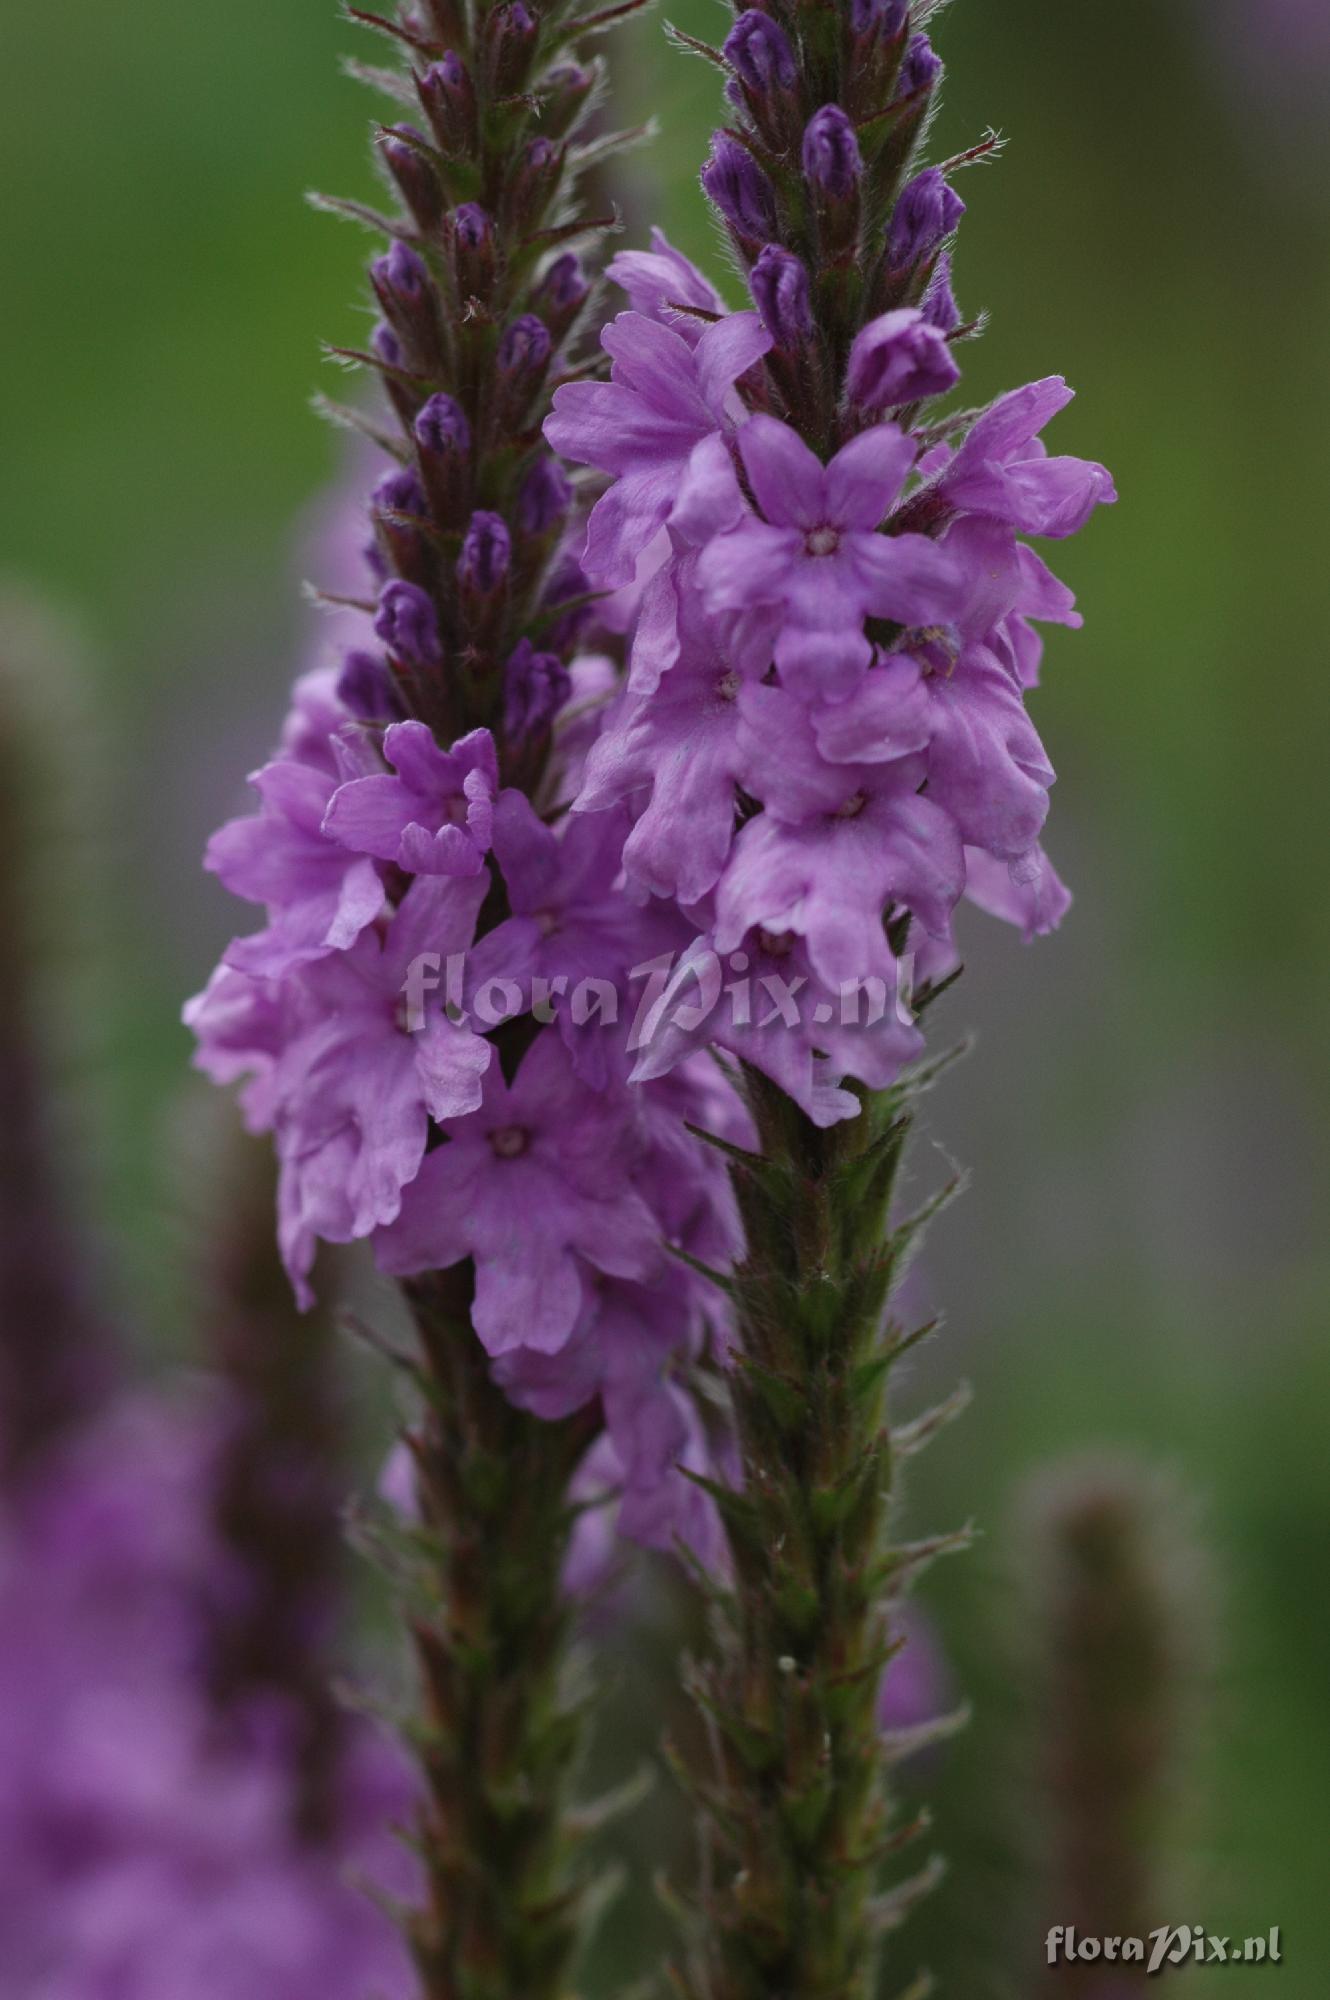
(416, 812)
(823, 741)
(143, 1848)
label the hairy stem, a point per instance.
(499, 1737)
(797, 1813)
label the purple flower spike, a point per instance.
(925, 216)
(741, 191)
(779, 284)
(486, 554)
(831, 158)
(899, 358)
(758, 51)
(408, 624)
(545, 496)
(920, 70)
(442, 430)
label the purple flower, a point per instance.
(534, 1186)
(831, 159)
(318, 897)
(924, 217)
(733, 180)
(779, 284)
(431, 813)
(664, 396)
(673, 750)
(408, 624)
(899, 358)
(1003, 471)
(817, 555)
(660, 280)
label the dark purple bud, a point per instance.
(920, 69)
(567, 585)
(443, 440)
(486, 554)
(366, 686)
(401, 274)
(512, 35)
(898, 359)
(384, 343)
(832, 161)
(561, 295)
(741, 191)
(940, 307)
(399, 492)
(442, 430)
(758, 51)
(524, 350)
(925, 215)
(544, 498)
(472, 237)
(883, 20)
(406, 155)
(564, 91)
(534, 184)
(779, 284)
(408, 625)
(535, 687)
(449, 100)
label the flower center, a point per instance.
(822, 541)
(776, 944)
(727, 687)
(852, 807)
(509, 1142)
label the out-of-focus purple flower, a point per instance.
(899, 358)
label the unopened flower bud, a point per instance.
(568, 585)
(561, 294)
(758, 51)
(741, 191)
(544, 498)
(920, 70)
(408, 625)
(831, 158)
(899, 358)
(512, 35)
(397, 503)
(405, 291)
(779, 284)
(384, 343)
(534, 183)
(523, 356)
(882, 20)
(940, 308)
(482, 567)
(925, 215)
(366, 686)
(443, 446)
(563, 93)
(535, 687)
(449, 99)
(471, 234)
(406, 155)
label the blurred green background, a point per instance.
(1142, 1258)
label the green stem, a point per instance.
(795, 1804)
(501, 1916)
